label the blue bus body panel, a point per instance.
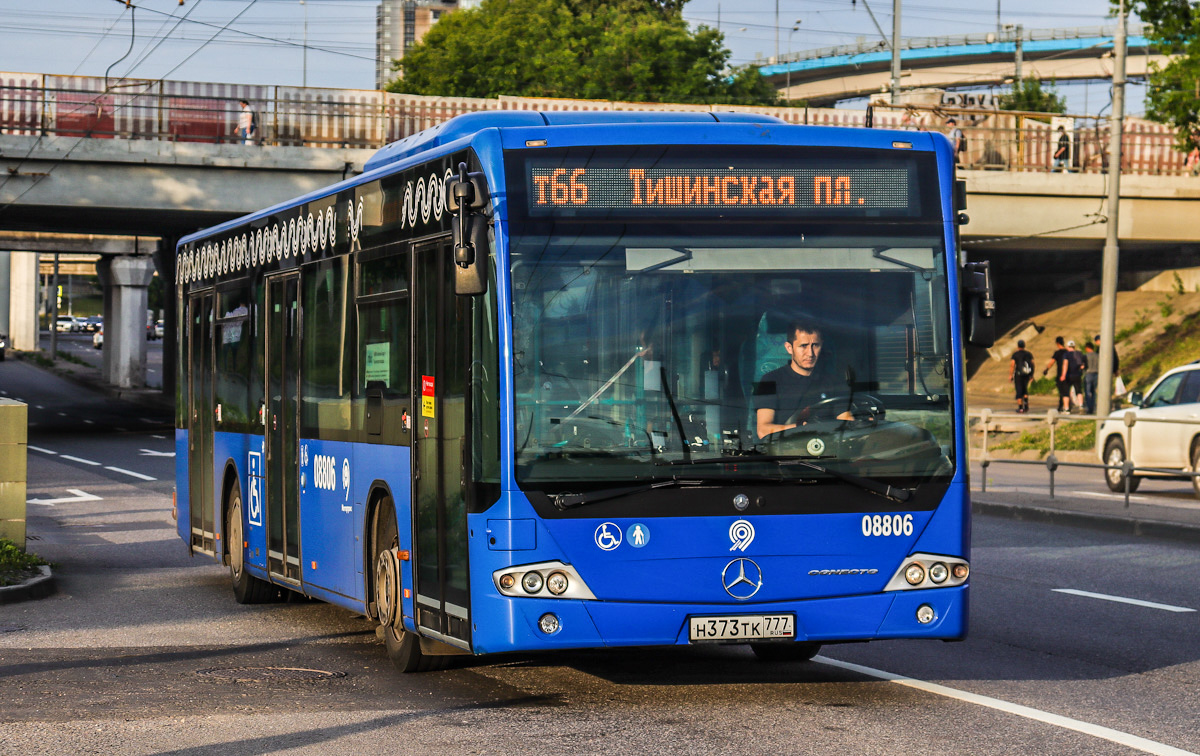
(182, 500)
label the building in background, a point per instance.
(400, 24)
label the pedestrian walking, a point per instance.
(247, 126)
(957, 140)
(1062, 151)
(1058, 362)
(1020, 373)
(1075, 364)
(1090, 378)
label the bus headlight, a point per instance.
(532, 582)
(542, 580)
(921, 571)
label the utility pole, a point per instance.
(1109, 266)
(1020, 55)
(777, 32)
(304, 79)
(895, 52)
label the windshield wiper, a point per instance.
(867, 484)
(567, 501)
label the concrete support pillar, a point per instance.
(22, 300)
(125, 303)
(5, 287)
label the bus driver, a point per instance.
(794, 388)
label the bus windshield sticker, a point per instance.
(378, 363)
(427, 405)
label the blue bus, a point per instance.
(571, 380)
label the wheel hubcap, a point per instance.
(386, 586)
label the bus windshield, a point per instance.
(648, 351)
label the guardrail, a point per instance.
(179, 111)
(1051, 462)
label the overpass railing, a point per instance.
(83, 106)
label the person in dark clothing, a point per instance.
(1075, 366)
(1058, 361)
(1062, 151)
(1020, 372)
(794, 388)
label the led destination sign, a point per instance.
(562, 188)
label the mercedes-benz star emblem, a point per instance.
(741, 578)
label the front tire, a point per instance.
(1114, 456)
(1196, 461)
(403, 647)
(247, 589)
(785, 652)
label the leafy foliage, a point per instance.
(1174, 93)
(15, 564)
(1028, 95)
(638, 50)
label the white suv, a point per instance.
(1169, 448)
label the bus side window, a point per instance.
(382, 412)
(326, 374)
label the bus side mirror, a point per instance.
(979, 304)
(465, 196)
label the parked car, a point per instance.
(3, 345)
(159, 329)
(98, 338)
(93, 323)
(1171, 449)
(66, 324)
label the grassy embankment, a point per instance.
(1177, 344)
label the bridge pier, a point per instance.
(126, 281)
(18, 299)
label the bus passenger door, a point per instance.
(200, 422)
(282, 468)
(441, 339)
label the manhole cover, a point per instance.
(268, 674)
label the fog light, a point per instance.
(532, 582)
(961, 571)
(557, 583)
(925, 614)
(938, 572)
(548, 624)
(507, 581)
(914, 574)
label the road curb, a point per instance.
(34, 588)
(1122, 525)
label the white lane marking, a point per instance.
(80, 459)
(90, 422)
(1099, 495)
(62, 414)
(152, 453)
(123, 471)
(148, 420)
(155, 435)
(79, 496)
(38, 406)
(38, 448)
(1087, 728)
(1123, 600)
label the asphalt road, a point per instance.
(79, 346)
(144, 651)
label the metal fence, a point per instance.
(83, 106)
(1129, 468)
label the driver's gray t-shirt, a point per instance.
(785, 391)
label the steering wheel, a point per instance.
(866, 408)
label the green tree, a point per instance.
(1173, 96)
(639, 50)
(1028, 95)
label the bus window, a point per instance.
(325, 374)
(382, 395)
(234, 354)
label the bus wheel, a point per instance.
(247, 589)
(403, 647)
(1114, 456)
(785, 652)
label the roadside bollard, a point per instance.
(986, 416)
(1052, 460)
(1127, 468)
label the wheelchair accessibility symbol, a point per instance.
(608, 536)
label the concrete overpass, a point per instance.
(127, 201)
(826, 75)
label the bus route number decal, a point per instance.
(887, 525)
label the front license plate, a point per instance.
(741, 627)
